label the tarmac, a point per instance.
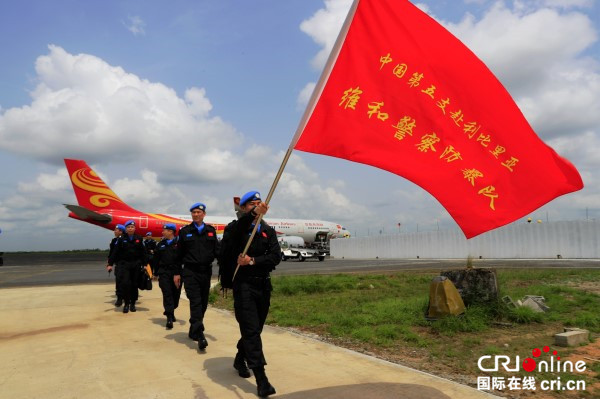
(71, 342)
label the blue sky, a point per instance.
(226, 78)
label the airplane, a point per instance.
(100, 206)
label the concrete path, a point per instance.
(70, 342)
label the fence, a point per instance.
(569, 240)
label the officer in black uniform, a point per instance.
(119, 230)
(150, 246)
(129, 256)
(197, 248)
(165, 258)
(252, 285)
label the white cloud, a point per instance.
(50, 182)
(139, 190)
(37, 206)
(304, 95)
(85, 108)
(135, 25)
(324, 26)
(524, 49)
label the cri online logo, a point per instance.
(530, 364)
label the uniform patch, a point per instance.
(188, 235)
(264, 234)
(137, 241)
(210, 234)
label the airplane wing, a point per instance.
(85, 213)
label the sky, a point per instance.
(174, 103)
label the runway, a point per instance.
(22, 270)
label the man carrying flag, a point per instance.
(252, 285)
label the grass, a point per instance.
(385, 314)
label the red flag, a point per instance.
(407, 96)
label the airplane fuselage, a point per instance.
(309, 230)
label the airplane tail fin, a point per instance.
(91, 191)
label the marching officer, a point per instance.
(197, 249)
(252, 284)
(119, 230)
(150, 246)
(166, 268)
(129, 256)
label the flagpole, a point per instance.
(312, 102)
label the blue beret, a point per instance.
(127, 223)
(120, 227)
(250, 196)
(198, 205)
(148, 234)
(170, 226)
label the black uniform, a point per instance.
(129, 255)
(252, 285)
(166, 260)
(150, 246)
(118, 288)
(197, 249)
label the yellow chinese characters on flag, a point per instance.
(404, 95)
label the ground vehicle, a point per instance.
(301, 253)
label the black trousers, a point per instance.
(170, 292)
(251, 302)
(197, 287)
(118, 283)
(129, 275)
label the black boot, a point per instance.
(202, 342)
(240, 365)
(119, 301)
(126, 308)
(263, 387)
(169, 321)
(132, 307)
